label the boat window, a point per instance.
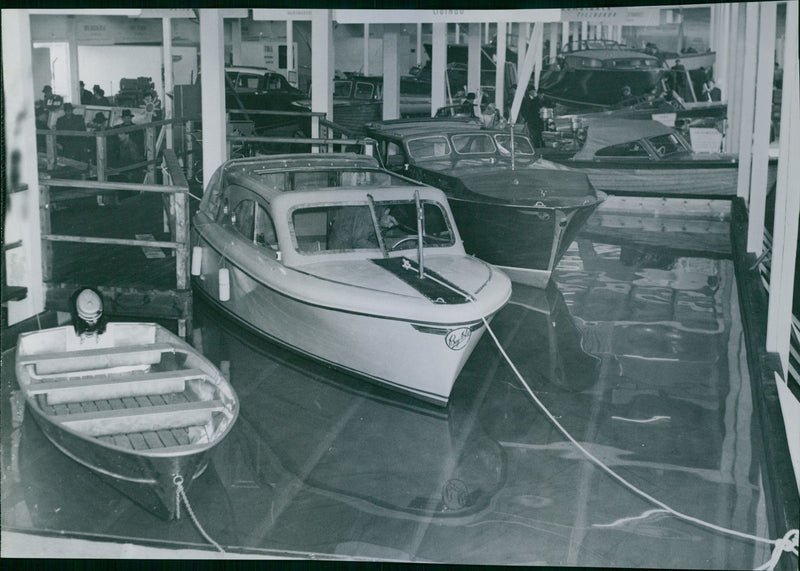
(373, 179)
(666, 145)
(274, 82)
(273, 180)
(248, 81)
(394, 156)
(242, 218)
(265, 229)
(522, 145)
(473, 143)
(428, 147)
(364, 90)
(312, 179)
(340, 228)
(629, 149)
(342, 88)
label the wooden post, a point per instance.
(182, 238)
(761, 128)
(748, 100)
(391, 77)
(188, 145)
(102, 156)
(44, 223)
(438, 65)
(150, 146)
(50, 139)
(499, 80)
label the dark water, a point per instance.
(637, 351)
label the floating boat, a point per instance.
(345, 262)
(519, 214)
(133, 403)
(648, 158)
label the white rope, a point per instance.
(181, 495)
(788, 542)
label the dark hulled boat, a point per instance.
(519, 214)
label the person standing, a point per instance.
(711, 92)
(531, 111)
(99, 96)
(51, 100)
(86, 96)
(71, 147)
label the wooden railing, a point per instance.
(97, 159)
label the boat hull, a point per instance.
(540, 235)
(148, 481)
(408, 355)
(687, 180)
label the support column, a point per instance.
(522, 45)
(748, 100)
(500, 76)
(554, 40)
(212, 84)
(290, 54)
(419, 44)
(166, 31)
(763, 110)
(712, 28)
(365, 66)
(524, 75)
(391, 77)
(565, 27)
(735, 98)
(721, 73)
(457, 35)
(22, 218)
(322, 63)
(74, 71)
(584, 30)
(236, 41)
(438, 64)
(537, 45)
(787, 200)
(473, 57)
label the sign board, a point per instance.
(167, 13)
(667, 119)
(705, 139)
(349, 16)
(624, 16)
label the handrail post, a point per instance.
(50, 138)
(44, 221)
(102, 156)
(188, 150)
(150, 146)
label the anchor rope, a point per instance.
(181, 495)
(787, 543)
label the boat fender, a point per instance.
(197, 260)
(224, 284)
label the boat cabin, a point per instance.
(632, 139)
(285, 209)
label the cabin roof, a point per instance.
(604, 132)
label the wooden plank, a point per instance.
(92, 359)
(117, 404)
(122, 441)
(138, 441)
(167, 438)
(143, 400)
(90, 184)
(142, 419)
(152, 439)
(110, 241)
(74, 407)
(157, 400)
(115, 386)
(89, 406)
(181, 435)
(102, 404)
(130, 402)
(61, 409)
(45, 228)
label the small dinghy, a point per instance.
(130, 401)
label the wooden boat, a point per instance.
(519, 214)
(647, 158)
(357, 100)
(336, 258)
(593, 73)
(135, 404)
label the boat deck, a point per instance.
(638, 351)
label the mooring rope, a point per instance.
(787, 543)
(181, 495)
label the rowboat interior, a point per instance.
(143, 396)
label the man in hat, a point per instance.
(71, 147)
(530, 110)
(86, 96)
(50, 99)
(129, 148)
(99, 96)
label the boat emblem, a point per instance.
(457, 339)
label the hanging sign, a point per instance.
(280, 15)
(623, 16)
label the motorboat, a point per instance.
(132, 402)
(345, 262)
(357, 99)
(648, 158)
(517, 211)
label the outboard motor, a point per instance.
(86, 308)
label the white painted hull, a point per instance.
(405, 354)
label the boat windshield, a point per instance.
(342, 228)
(666, 145)
(429, 147)
(473, 143)
(522, 145)
(284, 181)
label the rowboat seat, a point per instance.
(71, 390)
(123, 421)
(76, 362)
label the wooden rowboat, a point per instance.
(135, 404)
